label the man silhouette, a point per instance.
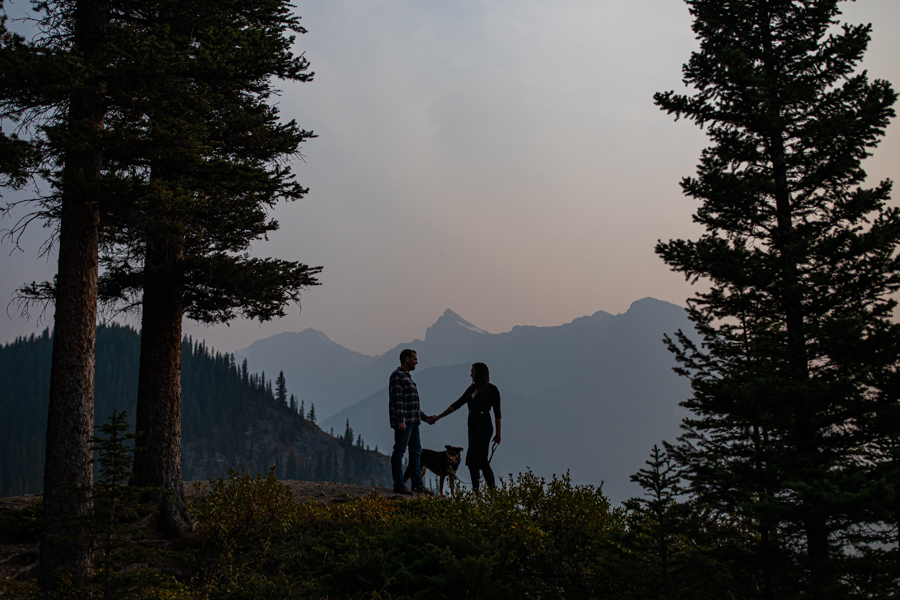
(405, 416)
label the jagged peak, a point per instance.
(451, 319)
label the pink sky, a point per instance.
(504, 160)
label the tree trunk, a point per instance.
(70, 418)
(806, 428)
(157, 459)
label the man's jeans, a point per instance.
(402, 439)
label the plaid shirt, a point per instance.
(404, 400)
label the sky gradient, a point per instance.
(502, 159)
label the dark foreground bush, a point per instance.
(528, 539)
(21, 525)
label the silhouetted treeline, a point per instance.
(221, 402)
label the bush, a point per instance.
(529, 538)
(238, 522)
(21, 525)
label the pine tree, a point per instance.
(654, 523)
(347, 438)
(794, 386)
(195, 176)
(116, 504)
(281, 396)
(54, 86)
(311, 417)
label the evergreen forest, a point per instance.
(221, 403)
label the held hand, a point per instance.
(429, 420)
(401, 427)
(497, 439)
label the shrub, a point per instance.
(23, 524)
(238, 521)
(529, 538)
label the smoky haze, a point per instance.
(503, 159)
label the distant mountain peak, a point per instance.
(451, 320)
(651, 305)
(315, 333)
(287, 341)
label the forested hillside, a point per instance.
(231, 418)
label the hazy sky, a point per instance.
(503, 159)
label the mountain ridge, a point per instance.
(590, 396)
(308, 361)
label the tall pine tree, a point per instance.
(173, 147)
(53, 86)
(195, 176)
(794, 385)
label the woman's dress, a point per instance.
(481, 427)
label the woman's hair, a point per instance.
(482, 376)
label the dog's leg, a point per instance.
(441, 486)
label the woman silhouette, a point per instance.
(481, 396)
